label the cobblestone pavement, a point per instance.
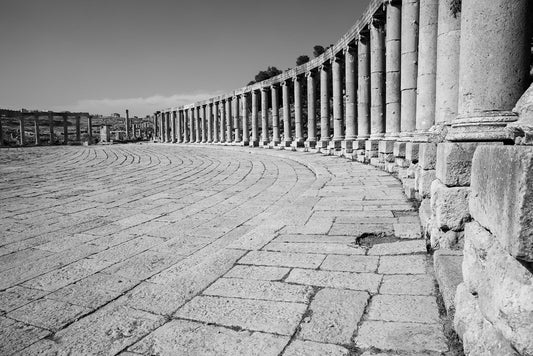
(206, 250)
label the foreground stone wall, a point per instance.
(434, 105)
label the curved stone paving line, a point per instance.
(181, 250)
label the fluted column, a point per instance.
(363, 87)
(65, 129)
(495, 58)
(287, 135)
(22, 140)
(276, 139)
(324, 105)
(427, 68)
(393, 66)
(223, 121)
(244, 115)
(377, 79)
(447, 80)
(311, 109)
(173, 125)
(338, 117)
(255, 131)
(264, 116)
(229, 133)
(216, 118)
(351, 96)
(409, 66)
(36, 130)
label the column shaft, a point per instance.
(51, 126)
(311, 109)
(192, 131)
(65, 129)
(216, 118)
(236, 119)
(36, 131)
(393, 66)
(377, 79)
(174, 136)
(264, 116)
(324, 105)
(244, 115)
(209, 109)
(351, 94)
(287, 135)
(179, 127)
(363, 88)
(298, 124)
(255, 132)
(78, 130)
(338, 117)
(22, 140)
(229, 125)
(409, 66)
(203, 121)
(275, 114)
(90, 129)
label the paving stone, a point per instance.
(415, 264)
(258, 272)
(255, 315)
(404, 308)
(16, 335)
(408, 230)
(417, 284)
(315, 248)
(334, 315)
(253, 289)
(182, 337)
(411, 337)
(350, 263)
(18, 296)
(314, 238)
(356, 230)
(398, 248)
(305, 348)
(144, 265)
(340, 280)
(282, 259)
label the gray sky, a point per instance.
(105, 56)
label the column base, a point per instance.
(335, 144)
(310, 144)
(482, 126)
(254, 144)
(411, 152)
(371, 149)
(399, 149)
(322, 144)
(286, 143)
(297, 143)
(245, 143)
(385, 151)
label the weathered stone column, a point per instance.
(311, 110)
(186, 120)
(65, 129)
(216, 118)
(287, 135)
(244, 115)
(179, 126)
(163, 132)
(409, 66)
(298, 124)
(209, 119)
(351, 98)
(90, 128)
(51, 126)
(427, 68)
(203, 123)
(377, 79)
(324, 105)
(363, 88)
(36, 130)
(2, 141)
(255, 131)
(22, 140)
(338, 117)
(276, 139)
(447, 80)
(222, 121)
(127, 124)
(494, 67)
(169, 125)
(393, 66)
(229, 123)
(236, 119)
(192, 120)
(264, 116)
(172, 126)
(199, 124)
(78, 130)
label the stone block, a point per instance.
(449, 275)
(445, 239)
(386, 146)
(504, 287)
(427, 155)
(391, 167)
(399, 149)
(401, 162)
(425, 178)
(409, 188)
(411, 151)
(347, 146)
(404, 308)
(502, 196)
(371, 145)
(424, 213)
(449, 206)
(359, 144)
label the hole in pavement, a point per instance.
(370, 239)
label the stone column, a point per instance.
(311, 110)
(51, 126)
(223, 120)
(90, 128)
(393, 64)
(163, 130)
(427, 68)
(179, 126)
(244, 114)
(363, 88)
(186, 132)
(174, 113)
(192, 131)
(36, 130)
(236, 120)
(264, 116)
(409, 66)
(298, 124)
(199, 126)
(351, 98)
(324, 105)
(338, 117)
(22, 140)
(78, 131)
(127, 125)
(255, 132)
(2, 141)
(209, 119)
(377, 79)
(447, 80)
(276, 138)
(229, 125)
(287, 135)
(494, 67)
(216, 118)
(65, 129)
(169, 126)
(203, 123)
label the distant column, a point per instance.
(298, 125)
(264, 116)
(215, 122)
(244, 115)
(203, 121)
(192, 131)
(377, 79)
(276, 138)
(90, 128)
(223, 121)
(229, 125)
(287, 135)
(409, 66)
(185, 126)
(174, 113)
(393, 67)
(236, 120)
(198, 123)
(311, 109)
(427, 66)
(22, 140)
(210, 123)
(163, 130)
(65, 129)
(51, 126)
(127, 124)
(324, 105)
(2, 142)
(255, 131)
(36, 130)
(338, 117)
(363, 91)
(351, 95)
(78, 129)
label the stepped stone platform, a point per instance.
(202, 250)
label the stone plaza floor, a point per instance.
(159, 249)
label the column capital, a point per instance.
(378, 20)
(265, 89)
(350, 47)
(310, 73)
(274, 86)
(325, 65)
(392, 2)
(296, 78)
